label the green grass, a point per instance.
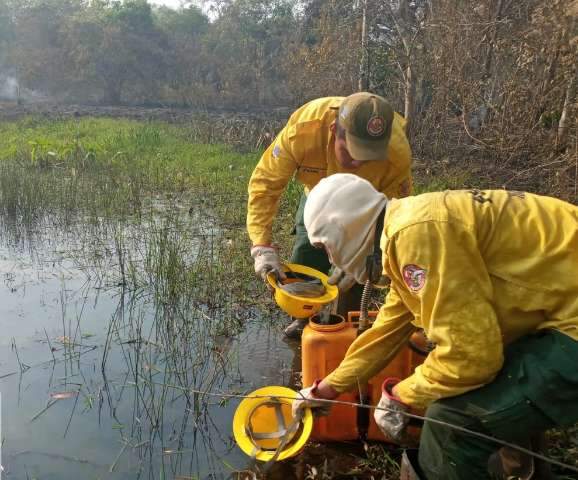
(128, 159)
(101, 177)
(157, 155)
(447, 179)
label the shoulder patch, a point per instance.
(414, 277)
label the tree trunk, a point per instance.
(489, 87)
(403, 21)
(363, 82)
(490, 53)
(409, 96)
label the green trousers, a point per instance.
(306, 254)
(536, 389)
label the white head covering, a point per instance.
(341, 213)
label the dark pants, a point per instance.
(306, 254)
(536, 389)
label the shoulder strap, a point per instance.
(373, 261)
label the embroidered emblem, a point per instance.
(414, 277)
(312, 170)
(276, 151)
(516, 193)
(480, 196)
(375, 126)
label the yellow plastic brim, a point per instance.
(291, 304)
(265, 450)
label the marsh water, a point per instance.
(103, 353)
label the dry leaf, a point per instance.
(63, 395)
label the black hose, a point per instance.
(363, 309)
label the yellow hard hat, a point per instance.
(302, 307)
(264, 427)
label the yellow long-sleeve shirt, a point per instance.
(305, 148)
(476, 270)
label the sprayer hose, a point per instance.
(363, 315)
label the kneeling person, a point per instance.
(491, 277)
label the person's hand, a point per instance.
(267, 260)
(343, 280)
(307, 398)
(389, 414)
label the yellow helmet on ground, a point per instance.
(264, 427)
(298, 306)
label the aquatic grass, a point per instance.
(108, 167)
(161, 222)
(92, 169)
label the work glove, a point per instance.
(306, 399)
(389, 414)
(267, 260)
(343, 280)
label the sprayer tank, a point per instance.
(323, 347)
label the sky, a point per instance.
(168, 3)
(204, 5)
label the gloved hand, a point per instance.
(343, 280)
(267, 260)
(391, 421)
(306, 399)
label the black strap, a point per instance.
(373, 261)
(378, 232)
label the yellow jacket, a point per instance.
(305, 148)
(476, 270)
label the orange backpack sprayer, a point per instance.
(323, 347)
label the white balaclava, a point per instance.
(341, 213)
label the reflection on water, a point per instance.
(102, 360)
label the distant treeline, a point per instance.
(492, 81)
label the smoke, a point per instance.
(10, 89)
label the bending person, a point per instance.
(492, 278)
(359, 134)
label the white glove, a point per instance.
(267, 260)
(391, 420)
(343, 280)
(306, 399)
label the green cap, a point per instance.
(367, 120)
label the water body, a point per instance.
(96, 377)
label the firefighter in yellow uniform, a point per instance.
(359, 134)
(492, 278)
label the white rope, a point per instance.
(407, 414)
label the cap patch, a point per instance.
(276, 151)
(414, 277)
(376, 126)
